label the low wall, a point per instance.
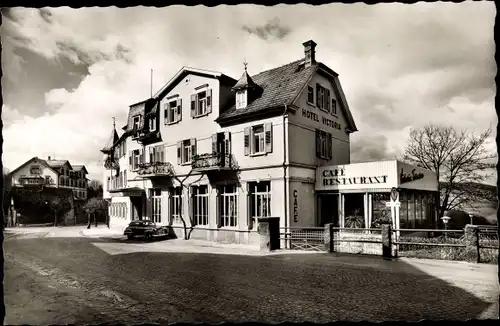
(355, 247)
(219, 235)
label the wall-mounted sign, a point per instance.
(336, 177)
(315, 117)
(295, 206)
(409, 177)
(394, 194)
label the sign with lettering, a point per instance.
(337, 177)
(295, 206)
(316, 117)
(394, 194)
(409, 177)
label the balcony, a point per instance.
(111, 163)
(212, 162)
(146, 137)
(34, 181)
(155, 169)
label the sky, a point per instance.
(67, 71)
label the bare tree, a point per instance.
(459, 159)
(187, 234)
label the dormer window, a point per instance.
(137, 122)
(241, 99)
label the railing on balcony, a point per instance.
(212, 161)
(155, 169)
(34, 181)
(111, 163)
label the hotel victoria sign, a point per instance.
(316, 117)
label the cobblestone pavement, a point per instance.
(71, 280)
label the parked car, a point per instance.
(145, 228)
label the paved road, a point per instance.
(82, 280)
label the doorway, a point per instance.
(328, 210)
(137, 204)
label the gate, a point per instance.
(297, 238)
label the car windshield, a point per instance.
(141, 223)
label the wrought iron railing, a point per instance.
(155, 168)
(212, 160)
(36, 180)
(111, 163)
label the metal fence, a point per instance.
(487, 244)
(297, 238)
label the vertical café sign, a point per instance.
(295, 206)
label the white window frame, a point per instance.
(186, 151)
(241, 99)
(263, 197)
(200, 205)
(173, 117)
(136, 154)
(152, 124)
(228, 215)
(176, 209)
(155, 194)
(201, 108)
(262, 140)
(137, 122)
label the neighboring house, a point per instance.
(53, 174)
(243, 149)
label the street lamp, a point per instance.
(471, 218)
(445, 221)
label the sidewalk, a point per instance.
(102, 231)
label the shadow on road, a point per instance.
(272, 289)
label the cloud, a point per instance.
(400, 66)
(272, 29)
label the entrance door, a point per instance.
(136, 208)
(329, 210)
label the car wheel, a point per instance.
(130, 237)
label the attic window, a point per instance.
(241, 99)
(137, 121)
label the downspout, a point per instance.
(285, 170)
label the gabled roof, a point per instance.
(41, 161)
(80, 167)
(58, 163)
(282, 86)
(111, 140)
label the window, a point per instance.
(334, 106)
(228, 206)
(241, 99)
(35, 169)
(186, 149)
(136, 159)
(322, 98)
(175, 205)
(310, 94)
(152, 155)
(152, 124)
(258, 139)
(159, 153)
(260, 199)
(200, 205)
(155, 195)
(201, 103)
(323, 144)
(137, 122)
(173, 111)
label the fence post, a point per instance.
(269, 233)
(472, 242)
(328, 237)
(386, 241)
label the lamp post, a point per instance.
(471, 218)
(445, 221)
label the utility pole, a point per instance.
(151, 85)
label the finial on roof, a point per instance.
(114, 122)
(245, 63)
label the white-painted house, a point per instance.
(220, 153)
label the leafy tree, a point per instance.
(459, 158)
(94, 189)
(95, 206)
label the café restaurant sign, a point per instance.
(352, 176)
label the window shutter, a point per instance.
(247, 141)
(130, 158)
(166, 108)
(179, 109)
(268, 130)
(327, 100)
(162, 154)
(318, 87)
(227, 142)
(193, 146)
(214, 143)
(334, 107)
(218, 207)
(193, 105)
(141, 157)
(329, 143)
(179, 152)
(209, 101)
(318, 144)
(249, 209)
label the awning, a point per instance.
(127, 192)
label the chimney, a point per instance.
(49, 158)
(310, 53)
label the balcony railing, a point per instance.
(155, 169)
(111, 163)
(34, 181)
(212, 161)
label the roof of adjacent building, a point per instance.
(111, 141)
(54, 165)
(80, 167)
